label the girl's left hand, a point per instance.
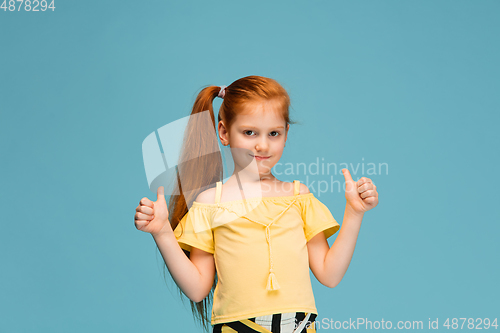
(362, 195)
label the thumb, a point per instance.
(160, 194)
(350, 184)
(347, 175)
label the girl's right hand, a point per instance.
(152, 216)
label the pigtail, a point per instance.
(198, 172)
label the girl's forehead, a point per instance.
(269, 106)
(260, 118)
(257, 114)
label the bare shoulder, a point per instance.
(303, 189)
(207, 196)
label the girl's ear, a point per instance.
(223, 133)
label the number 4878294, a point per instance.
(29, 5)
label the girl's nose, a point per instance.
(262, 145)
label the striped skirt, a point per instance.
(292, 322)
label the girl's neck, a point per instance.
(252, 178)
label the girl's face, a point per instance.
(256, 137)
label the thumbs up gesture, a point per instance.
(361, 195)
(152, 216)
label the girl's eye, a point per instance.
(276, 133)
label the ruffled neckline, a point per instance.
(279, 198)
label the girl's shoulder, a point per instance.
(303, 189)
(290, 188)
(207, 196)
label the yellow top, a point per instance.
(260, 251)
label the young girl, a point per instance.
(254, 237)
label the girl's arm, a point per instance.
(194, 275)
(329, 265)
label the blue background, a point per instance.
(413, 84)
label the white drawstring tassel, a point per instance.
(272, 282)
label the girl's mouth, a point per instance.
(260, 158)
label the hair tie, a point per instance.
(222, 92)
